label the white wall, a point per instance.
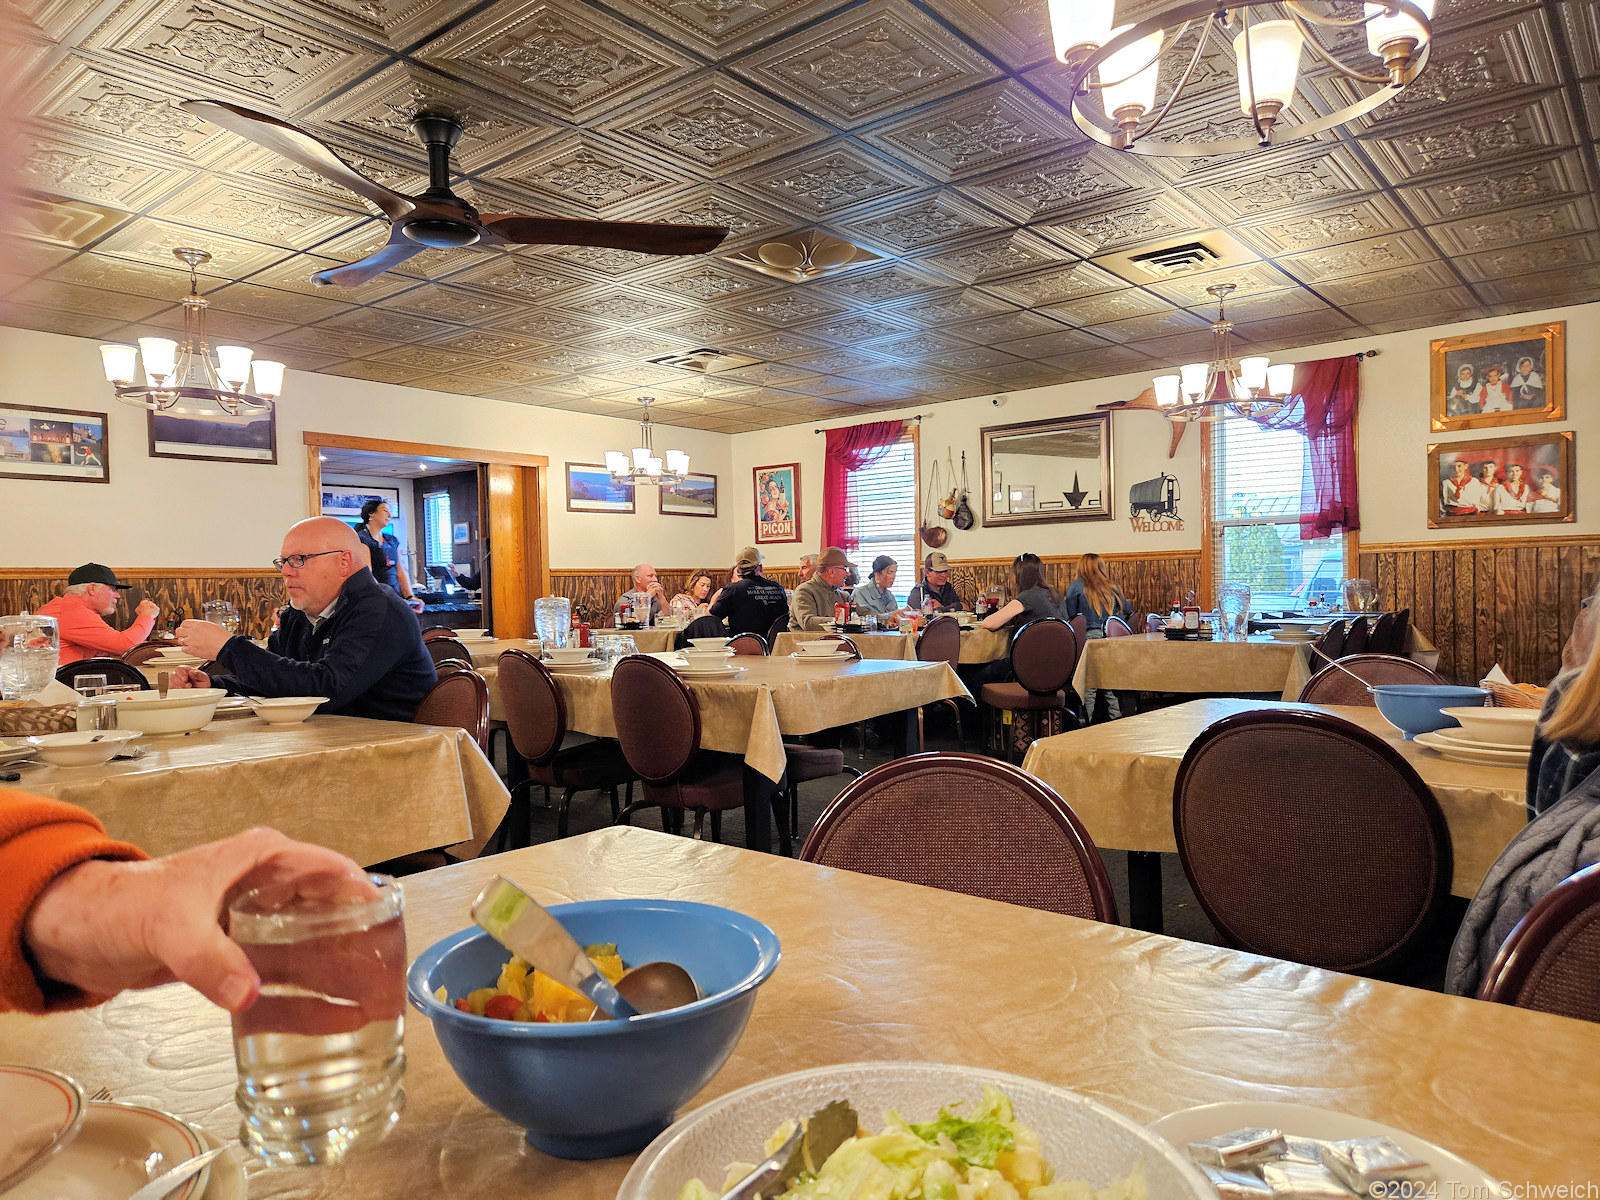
(159, 512)
(1392, 449)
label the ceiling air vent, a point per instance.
(705, 361)
(1177, 260)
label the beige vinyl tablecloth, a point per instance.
(1148, 662)
(977, 645)
(1118, 778)
(749, 714)
(371, 789)
(648, 641)
(485, 653)
(1145, 1024)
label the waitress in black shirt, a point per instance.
(384, 548)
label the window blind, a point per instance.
(883, 514)
(1257, 477)
(437, 542)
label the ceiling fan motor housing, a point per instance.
(439, 130)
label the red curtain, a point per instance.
(1323, 407)
(850, 449)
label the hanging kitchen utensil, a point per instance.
(947, 507)
(932, 534)
(964, 518)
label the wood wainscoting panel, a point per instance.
(256, 592)
(1505, 601)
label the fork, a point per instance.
(101, 1094)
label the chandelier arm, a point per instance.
(1156, 57)
(1194, 61)
(1327, 56)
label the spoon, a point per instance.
(654, 987)
(1346, 670)
(162, 678)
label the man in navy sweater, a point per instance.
(344, 635)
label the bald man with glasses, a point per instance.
(344, 635)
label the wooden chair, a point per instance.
(434, 632)
(965, 823)
(781, 625)
(1551, 960)
(115, 670)
(707, 626)
(1333, 685)
(749, 643)
(941, 642)
(445, 649)
(535, 712)
(1080, 628)
(1307, 838)
(1402, 627)
(460, 699)
(145, 651)
(658, 724)
(1044, 655)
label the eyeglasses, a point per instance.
(299, 560)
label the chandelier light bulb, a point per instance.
(616, 462)
(1194, 376)
(641, 457)
(1398, 35)
(652, 466)
(677, 462)
(233, 365)
(160, 358)
(120, 364)
(1253, 372)
(1280, 379)
(1128, 79)
(1080, 27)
(1167, 390)
(269, 378)
(1274, 58)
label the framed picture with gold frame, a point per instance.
(1525, 480)
(1501, 377)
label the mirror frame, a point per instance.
(1049, 516)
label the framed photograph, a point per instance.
(777, 498)
(196, 429)
(344, 501)
(460, 533)
(696, 496)
(1067, 458)
(1501, 481)
(590, 488)
(53, 443)
(1507, 377)
(1020, 498)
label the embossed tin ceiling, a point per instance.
(930, 132)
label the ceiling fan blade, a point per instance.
(300, 147)
(644, 237)
(355, 274)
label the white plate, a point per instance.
(14, 752)
(1302, 1120)
(1476, 756)
(227, 1178)
(587, 667)
(1292, 635)
(836, 657)
(44, 1109)
(707, 672)
(1081, 1139)
(1459, 738)
(114, 1154)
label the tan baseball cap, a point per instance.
(936, 562)
(748, 557)
(832, 557)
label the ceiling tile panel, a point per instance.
(1479, 139)
(548, 325)
(89, 169)
(567, 59)
(1536, 291)
(243, 209)
(393, 24)
(792, 306)
(1329, 225)
(1017, 32)
(1060, 183)
(1255, 279)
(1297, 329)
(453, 304)
(1525, 182)
(705, 280)
(129, 278)
(1291, 183)
(716, 125)
(250, 300)
(1055, 284)
(1391, 252)
(1435, 304)
(1109, 306)
(1359, 289)
(518, 278)
(746, 220)
(576, 172)
(58, 320)
(1003, 327)
(1150, 220)
(868, 63)
(993, 257)
(985, 130)
(944, 308)
(720, 28)
(1550, 259)
(153, 242)
(87, 301)
(782, 344)
(362, 238)
(831, 179)
(1143, 329)
(121, 108)
(386, 326)
(934, 219)
(1052, 344)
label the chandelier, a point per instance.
(182, 370)
(1224, 387)
(640, 465)
(1123, 64)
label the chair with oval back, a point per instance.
(658, 724)
(700, 627)
(940, 641)
(965, 823)
(145, 651)
(434, 632)
(1551, 960)
(535, 714)
(1307, 838)
(1333, 685)
(781, 625)
(116, 671)
(1117, 627)
(748, 643)
(1355, 639)
(444, 649)
(1380, 638)
(1329, 646)
(1401, 632)
(846, 643)
(1044, 655)
(459, 699)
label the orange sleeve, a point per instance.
(85, 628)
(39, 840)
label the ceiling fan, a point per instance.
(438, 218)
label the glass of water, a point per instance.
(320, 1053)
(1233, 603)
(30, 652)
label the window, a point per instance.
(883, 514)
(437, 548)
(1256, 480)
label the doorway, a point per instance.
(475, 522)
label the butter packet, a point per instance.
(1240, 1148)
(1362, 1162)
(1236, 1185)
(1302, 1181)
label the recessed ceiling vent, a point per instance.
(705, 361)
(1176, 260)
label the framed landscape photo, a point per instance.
(1501, 481)
(696, 496)
(777, 503)
(590, 488)
(196, 429)
(1506, 377)
(53, 443)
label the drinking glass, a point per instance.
(30, 652)
(221, 612)
(552, 618)
(1233, 603)
(89, 685)
(626, 645)
(320, 1054)
(1359, 596)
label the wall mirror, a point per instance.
(1042, 471)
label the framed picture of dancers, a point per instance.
(1501, 481)
(1504, 377)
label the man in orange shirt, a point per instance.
(92, 595)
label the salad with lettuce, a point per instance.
(984, 1155)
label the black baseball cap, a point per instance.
(96, 573)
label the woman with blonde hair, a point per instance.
(1567, 748)
(695, 599)
(1095, 598)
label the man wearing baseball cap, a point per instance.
(751, 603)
(935, 585)
(814, 599)
(92, 595)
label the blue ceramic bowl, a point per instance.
(1413, 708)
(606, 1087)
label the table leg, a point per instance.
(904, 738)
(758, 793)
(1144, 890)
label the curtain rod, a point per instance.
(917, 417)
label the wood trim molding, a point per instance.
(129, 573)
(1554, 541)
(505, 458)
(1052, 559)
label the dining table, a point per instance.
(1118, 777)
(878, 970)
(978, 645)
(373, 790)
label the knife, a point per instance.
(165, 1184)
(803, 1153)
